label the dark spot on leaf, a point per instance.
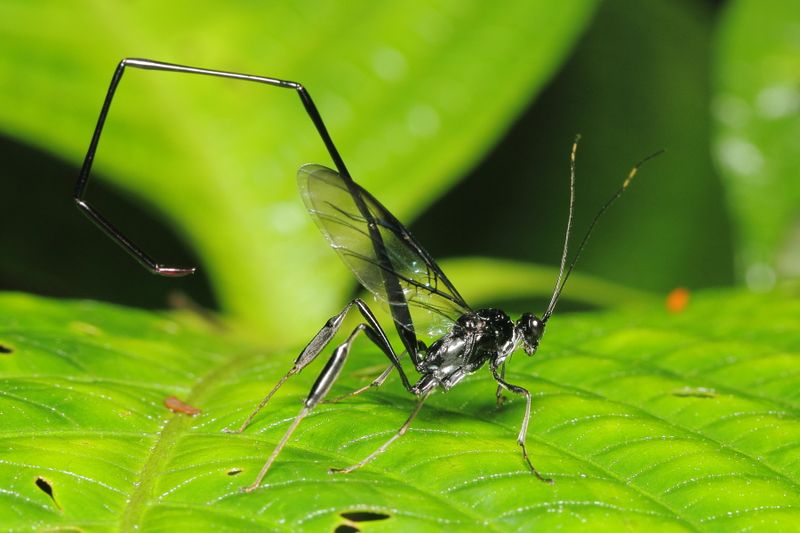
(364, 516)
(46, 487)
(234, 471)
(5, 349)
(346, 528)
(174, 404)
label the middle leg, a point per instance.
(382, 448)
(325, 380)
(320, 341)
(374, 384)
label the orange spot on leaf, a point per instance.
(174, 404)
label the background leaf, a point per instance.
(492, 282)
(684, 422)
(397, 85)
(757, 134)
(629, 89)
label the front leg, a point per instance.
(524, 429)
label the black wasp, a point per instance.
(394, 267)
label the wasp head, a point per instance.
(531, 329)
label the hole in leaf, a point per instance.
(346, 528)
(47, 487)
(6, 349)
(364, 516)
(234, 471)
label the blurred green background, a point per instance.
(458, 116)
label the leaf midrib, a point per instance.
(166, 440)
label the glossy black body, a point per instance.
(479, 337)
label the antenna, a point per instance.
(562, 278)
(556, 290)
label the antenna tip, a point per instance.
(574, 148)
(635, 169)
(630, 177)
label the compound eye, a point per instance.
(531, 328)
(536, 327)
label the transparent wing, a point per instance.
(385, 257)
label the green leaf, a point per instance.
(629, 89)
(486, 281)
(646, 421)
(757, 112)
(413, 94)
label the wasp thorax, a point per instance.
(532, 330)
